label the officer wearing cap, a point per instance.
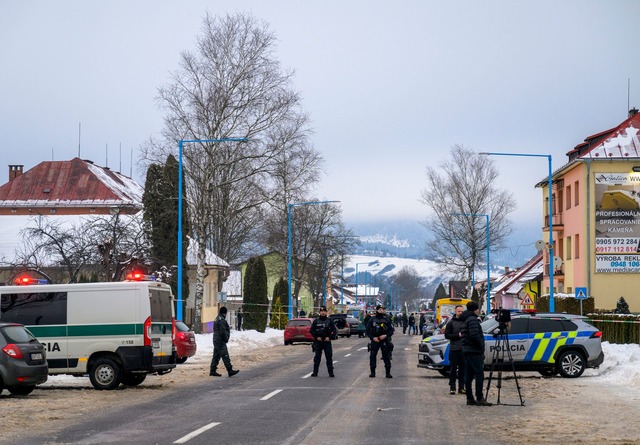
(380, 330)
(323, 330)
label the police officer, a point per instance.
(221, 333)
(323, 330)
(380, 330)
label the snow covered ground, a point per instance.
(621, 364)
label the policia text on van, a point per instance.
(117, 332)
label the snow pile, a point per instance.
(621, 365)
(239, 341)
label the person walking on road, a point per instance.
(380, 330)
(453, 333)
(323, 329)
(221, 334)
(412, 324)
(405, 323)
(239, 319)
(473, 351)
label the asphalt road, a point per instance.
(279, 403)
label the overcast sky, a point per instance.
(390, 86)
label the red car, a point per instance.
(297, 330)
(185, 342)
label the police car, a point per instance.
(545, 342)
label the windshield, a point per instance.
(447, 310)
(489, 325)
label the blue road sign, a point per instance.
(581, 293)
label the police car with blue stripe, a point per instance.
(549, 343)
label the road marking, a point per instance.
(362, 349)
(406, 349)
(335, 361)
(347, 355)
(271, 394)
(307, 376)
(193, 434)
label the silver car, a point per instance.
(548, 343)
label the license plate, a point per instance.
(155, 344)
(422, 356)
(36, 356)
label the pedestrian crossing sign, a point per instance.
(527, 301)
(581, 293)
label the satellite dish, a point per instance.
(540, 245)
(557, 261)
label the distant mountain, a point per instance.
(409, 239)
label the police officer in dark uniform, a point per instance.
(323, 329)
(221, 333)
(380, 330)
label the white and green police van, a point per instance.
(116, 332)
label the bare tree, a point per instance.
(408, 283)
(459, 192)
(232, 86)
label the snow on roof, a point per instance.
(126, 188)
(211, 259)
(233, 284)
(624, 144)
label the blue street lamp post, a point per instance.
(180, 144)
(488, 260)
(290, 246)
(550, 210)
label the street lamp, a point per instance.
(290, 247)
(488, 260)
(550, 180)
(180, 143)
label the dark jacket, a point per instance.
(379, 325)
(221, 331)
(323, 327)
(472, 335)
(452, 333)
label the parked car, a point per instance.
(23, 360)
(185, 342)
(549, 343)
(297, 330)
(340, 320)
(356, 327)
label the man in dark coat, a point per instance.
(453, 333)
(323, 329)
(473, 351)
(380, 330)
(221, 333)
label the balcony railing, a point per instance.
(557, 221)
(558, 270)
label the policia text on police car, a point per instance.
(380, 330)
(323, 330)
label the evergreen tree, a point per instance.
(279, 317)
(622, 307)
(440, 293)
(255, 296)
(161, 225)
(475, 296)
(281, 290)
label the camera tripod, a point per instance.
(497, 363)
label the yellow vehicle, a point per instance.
(446, 307)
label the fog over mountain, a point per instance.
(410, 239)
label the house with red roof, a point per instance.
(75, 187)
(596, 217)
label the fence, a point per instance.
(620, 329)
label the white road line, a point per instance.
(335, 361)
(406, 349)
(190, 436)
(271, 394)
(307, 376)
(347, 355)
(362, 349)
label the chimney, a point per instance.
(15, 171)
(506, 270)
(633, 112)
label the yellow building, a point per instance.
(596, 217)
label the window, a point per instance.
(34, 309)
(519, 326)
(576, 191)
(568, 193)
(568, 247)
(545, 325)
(577, 245)
(160, 306)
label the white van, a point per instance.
(117, 332)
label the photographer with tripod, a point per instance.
(473, 351)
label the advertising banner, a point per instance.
(617, 222)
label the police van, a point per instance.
(116, 332)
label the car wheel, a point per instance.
(571, 364)
(181, 360)
(105, 374)
(444, 372)
(287, 343)
(547, 372)
(21, 390)
(349, 336)
(131, 379)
